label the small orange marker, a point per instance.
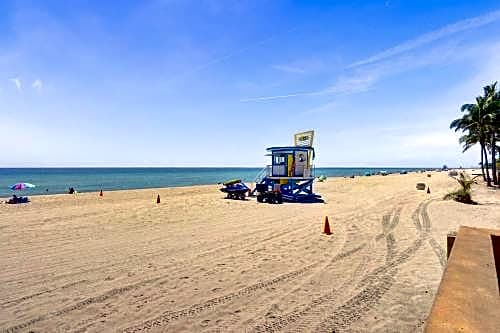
(158, 199)
(100, 194)
(326, 228)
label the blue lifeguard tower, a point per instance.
(290, 176)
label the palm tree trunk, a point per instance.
(488, 179)
(482, 161)
(494, 159)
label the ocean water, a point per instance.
(58, 180)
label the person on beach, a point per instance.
(16, 200)
(13, 200)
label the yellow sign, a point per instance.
(304, 139)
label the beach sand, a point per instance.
(201, 263)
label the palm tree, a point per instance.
(495, 131)
(475, 123)
(493, 108)
(469, 139)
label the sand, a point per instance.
(200, 263)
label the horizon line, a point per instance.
(224, 167)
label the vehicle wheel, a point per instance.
(279, 198)
(260, 198)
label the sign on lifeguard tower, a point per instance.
(304, 139)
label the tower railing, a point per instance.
(262, 174)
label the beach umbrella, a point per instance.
(21, 186)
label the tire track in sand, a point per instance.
(48, 291)
(195, 309)
(378, 282)
(167, 317)
(240, 246)
(210, 303)
(316, 307)
(436, 247)
(439, 251)
(388, 225)
(170, 316)
(79, 305)
(117, 291)
(361, 303)
(283, 321)
(100, 266)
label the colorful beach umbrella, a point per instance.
(21, 186)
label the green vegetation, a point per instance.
(463, 194)
(480, 123)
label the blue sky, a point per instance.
(215, 82)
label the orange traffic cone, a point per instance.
(158, 199)
(428, 190)
(326, 228)
(100, 194)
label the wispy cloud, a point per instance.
(270, 98)
(446, 31)
(344, 85)
(355, 83)
(366, 78)
(38, 85)
(17, 82)
(231, 54)
(362, 79)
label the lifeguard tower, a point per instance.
(291, 173)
